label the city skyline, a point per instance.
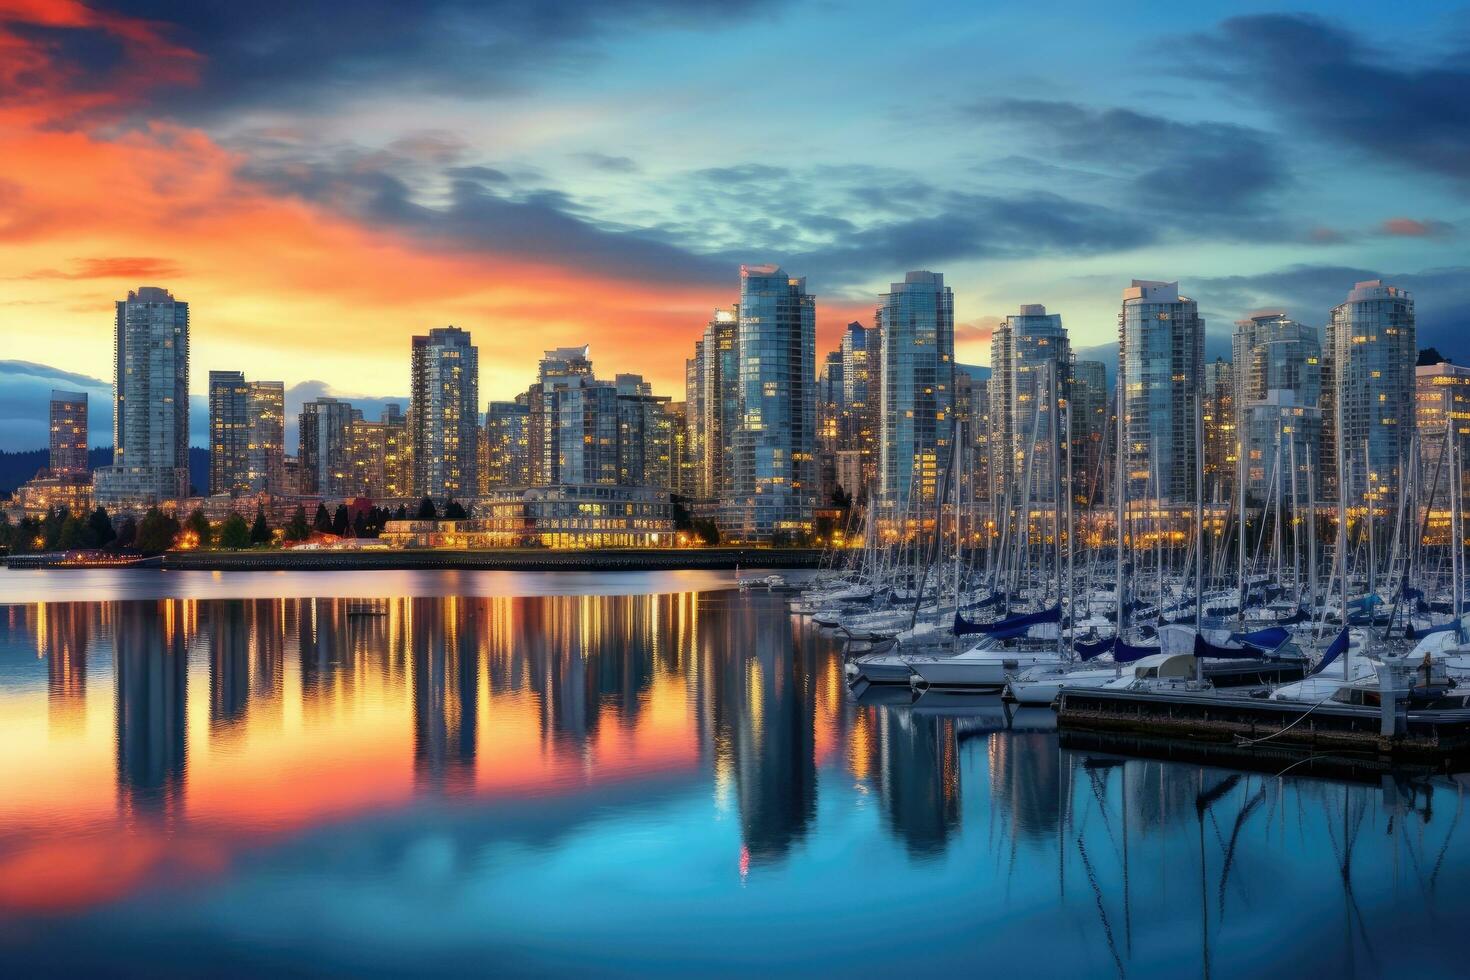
(579, 199)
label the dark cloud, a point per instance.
(1325, 78)
(1214, 171)
(1309, 292)
(287, 54)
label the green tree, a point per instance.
(260, 531)
(199, 525)
(156, 532)
(72, 531)
(99, 529)
(296, 528)
(127, 534)
(51, 528)
(323, 521)
(454, 511)
(427, 511)
(340, 521)
(234, 533)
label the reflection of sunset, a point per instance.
(194, 729)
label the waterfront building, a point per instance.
(1161, 339)
(1278, 390)
(561, 369)
(1442, 408)
(1221, 445)
(860, 387)
(645, 437)
(380, 468)
(561, 517)
(68, 455)
(683, 463)
(829, 422)
(1030, 361)
(325, 438)
(445, 413)
(229, 432)
(774, 489)
(693, 415)
(1372, 345)
(916, 384)
(719, 403)
(265, 447)
(150, 422)
(507, 456)
(1088, 399)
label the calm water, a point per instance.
(655, 779)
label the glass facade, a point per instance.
(150, 402)
(916, 372)
(1089, 400)
(1030, 359)
(774, 487)
(1161, 366)
(229, 432)
(68, 421)
(325, 439)
(1278, 391)
(265, 449)
(507, 457)
(719, 403)
(1372, 342)
(445, 414)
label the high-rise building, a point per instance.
(859, 428)
(719, 403)
(916, 384)
(774, 487)
(561, 369)
(586, 433)
(1030, 357)
(1161, 354)
(829, 423)
(693, 414)
(380, 461)
(1371, 340)
(1442, 407)
(68, 433)
(325, 437)
(508, 461)
(150, 422)
(1278, 390)
(1090, 417)
(229, 432)
(683, 464)
(265, 450)
(645, 443)
(1221, 448)
(445, 393)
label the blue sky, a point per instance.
(561, 173)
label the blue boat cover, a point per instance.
(1204, 648)
(1005, 628)
(1269, 638)
(1336, 649)
(1125, 652)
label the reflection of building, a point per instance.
(150, 423)
(151, 664)
(1026, 783)
(446, 687)
(229, 665)
(549, 517)
(920, 779)
(62, 629)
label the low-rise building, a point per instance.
(563, 516)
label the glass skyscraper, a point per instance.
(229, 432)
(1372, 343)
(1161, 365)
(445, 414)
(1030, 358)
(719, 403)
(774, 488)
(1278, 391)
(150, 422)
(68, 418)
(325, 437)
(916, 377)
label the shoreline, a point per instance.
(516, 560)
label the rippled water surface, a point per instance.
(622, 774)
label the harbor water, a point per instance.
(435, 773)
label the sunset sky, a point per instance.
(322, 181)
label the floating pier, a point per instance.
(1434, 738)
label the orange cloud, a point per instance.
(1415, 228)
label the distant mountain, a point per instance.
(18, 467)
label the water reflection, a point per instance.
(674, 772)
